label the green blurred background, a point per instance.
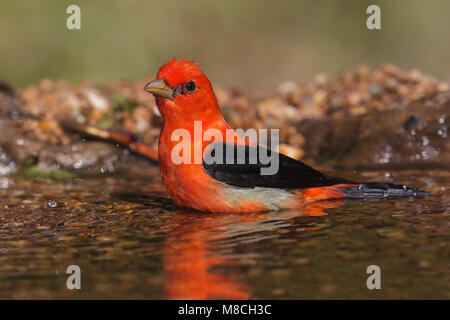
(247, 44)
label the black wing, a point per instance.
(241, 166)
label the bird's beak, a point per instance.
(159, 88)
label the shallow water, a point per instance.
(131, 241)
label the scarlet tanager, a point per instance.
(185, 99)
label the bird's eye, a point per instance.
(190, 86)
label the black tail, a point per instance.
(372, 190)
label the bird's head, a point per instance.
(182, 91)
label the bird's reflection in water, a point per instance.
(190, 249)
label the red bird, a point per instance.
(185, 96)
